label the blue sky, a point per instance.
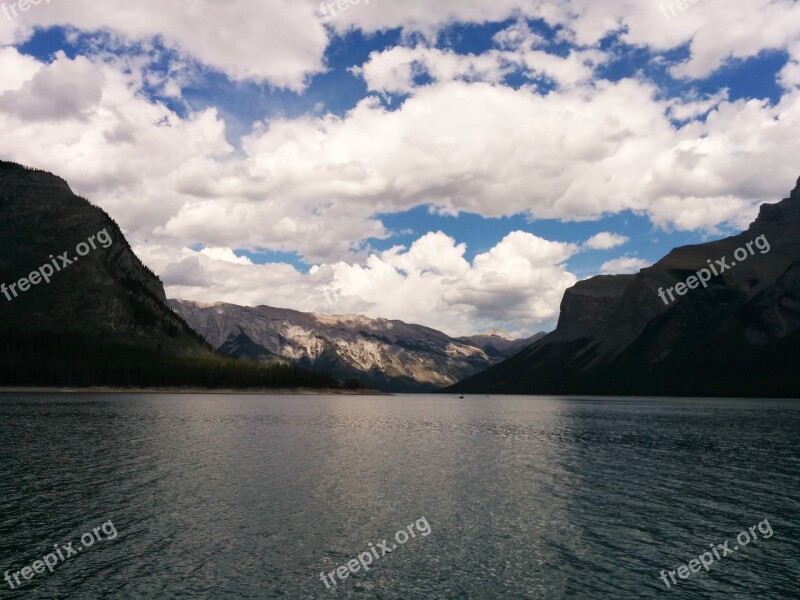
(457, 164)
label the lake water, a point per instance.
(216, 496)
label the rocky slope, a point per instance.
(108, 293)
(382, 354)
(739, 336)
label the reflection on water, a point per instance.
(252, 497)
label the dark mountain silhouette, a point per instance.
(621, 335)
(102, 319)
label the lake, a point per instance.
(237, 496)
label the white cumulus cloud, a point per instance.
(623, 265)
(605, 241)
(518, 283)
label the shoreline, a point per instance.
(194, 391)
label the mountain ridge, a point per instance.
(384, 354)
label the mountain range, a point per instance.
(380, 353)
(78, 308)
(714, 319)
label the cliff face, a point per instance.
(591, 306)
(383, 354)
(737, 335)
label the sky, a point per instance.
(453, 163)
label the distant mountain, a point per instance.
(498, 344)
(78, 308)
(383, 354)
(623, 335)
